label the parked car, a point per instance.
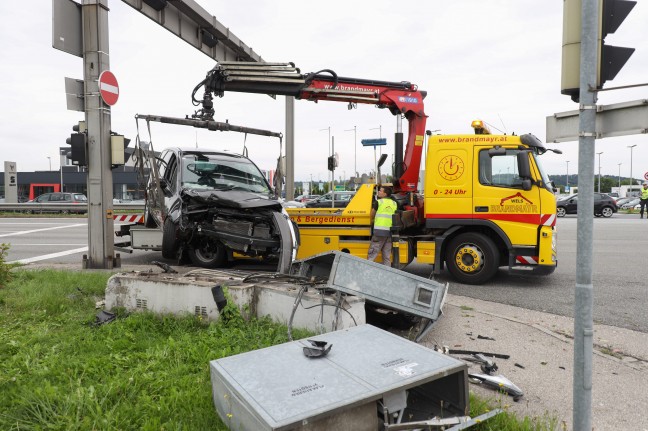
(61, 198)
(622, 201)
(332, 200)
(212, 204)
(306, 198)
(604, 205)
(630, 204)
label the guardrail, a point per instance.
(51, 207)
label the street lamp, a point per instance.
(567, 181)
(50, 162)
(355, 153)
(631, 179)
(599, 181)
(620, 179)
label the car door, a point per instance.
(571, 206)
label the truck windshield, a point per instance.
(545, 178)
(216, 172)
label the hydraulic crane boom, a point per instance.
(401, 98)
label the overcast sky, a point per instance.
(494, 60)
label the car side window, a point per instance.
(67, 197)
(43, 198)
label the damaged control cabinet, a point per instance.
(369, 378)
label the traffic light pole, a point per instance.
(100, 184)
(583, 322)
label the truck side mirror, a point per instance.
(524, 168)
(164, 184)
(526, 184)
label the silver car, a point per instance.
(213, 205)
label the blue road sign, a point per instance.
(373, 142)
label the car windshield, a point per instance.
(215, 172)
(80, 198)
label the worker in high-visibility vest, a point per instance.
(643, 199)
(381, 217)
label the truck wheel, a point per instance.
(472, 258)
(560, 212)
(207, 253)
(607, 212)
(169, 239)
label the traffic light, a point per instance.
(331, 163)
(610, 59)
(118, 154)
(77, 142)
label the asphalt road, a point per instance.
(619, 272)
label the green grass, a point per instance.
(140, 372)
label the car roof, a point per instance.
(207, 152)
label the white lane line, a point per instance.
(13, 245)
(29, 224)
(25, 232)
(50, 256)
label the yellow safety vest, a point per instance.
(644, 193)
(383, 220)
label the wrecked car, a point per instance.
(214, 206)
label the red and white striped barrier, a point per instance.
(129, 218)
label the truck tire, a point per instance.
(472, 258)
(169, 239)
(207, 253)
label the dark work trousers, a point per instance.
(644, 204)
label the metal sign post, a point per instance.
(583, 321)
(374, 143)
(100, 182)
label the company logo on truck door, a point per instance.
(451, 167)
(514, 204)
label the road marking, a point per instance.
(13, 245)
(24, 232)
(50, 256)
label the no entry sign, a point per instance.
(108, 87)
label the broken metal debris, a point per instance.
(487, 365)
(104, 317)
(319, 349)
(519, 365)
(499, 383)
(459, 422)
(473, 352)
(483, 337)
(165, 266)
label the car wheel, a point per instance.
(607, 212)
(207, 253)
(65, 212)
(597, 214)
(560, 212)
(169, 239)
(472, 258)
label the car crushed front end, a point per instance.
(241, 222)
